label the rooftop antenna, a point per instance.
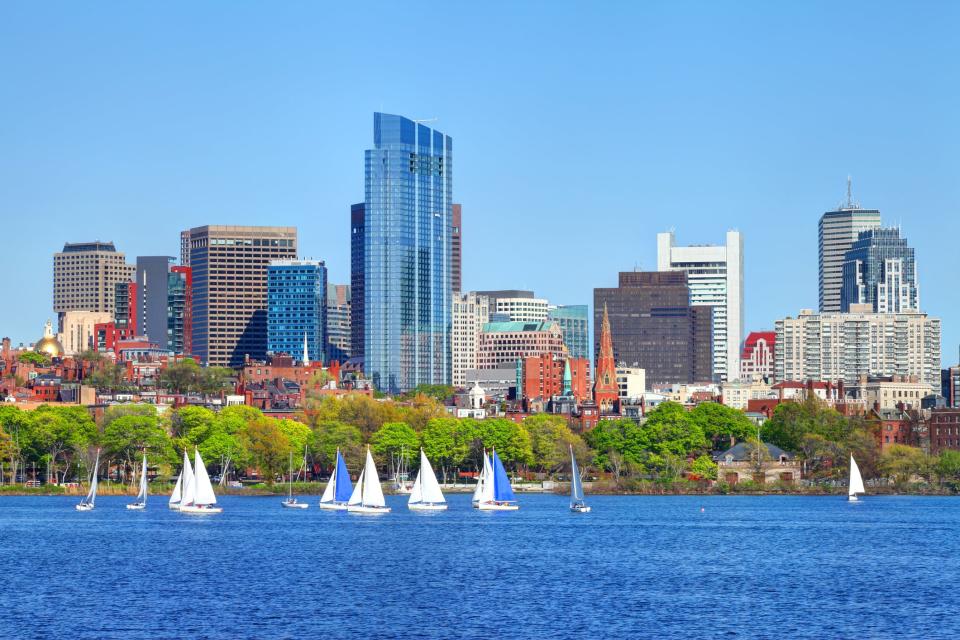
(849, 192)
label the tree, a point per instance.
(446, 442)
(331, 435)
(550, 440)
(195, 423)
(213, 380)
(947, 467)
(297, 433)
(267, 446)
(128, 437)
(55, 432)
(901, 463)
(395, 439)
(669, 429)
(8, 450)
(758, 454)
(107, 375)
(724, 426)
(511, 441)
(438, 392)
(422, 409)
(791, 421)
(32, 357)
(607, 438)
(704, 467)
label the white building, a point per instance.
(79, 330)
(715, 278)
(632, 382)
(470, 312)
(523, 309)
(845, 346)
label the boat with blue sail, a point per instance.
(339, 488)
(497, 493)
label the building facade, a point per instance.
(456, 249)
(544, 377)
(506, 343)
(357, 227)
(574, 321)
(297, 309)
(654, 327)
(85, 276)
(180, 310)
(229, 267)
(845, 346)
(152, 277)
(471, 312)
(407, 235)
(79, 330)
(880, 271)
(339, 330)
(521, 309)
(632, 382)
(838, 231)
(757, 358)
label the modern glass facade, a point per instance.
(880, 270)
(407, 253)
(297, 308)
(574, 322)
(180, 310)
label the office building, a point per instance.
(632, 383)
(654, 326)
(757, 358)
(180, 310)
(829, 347)
(520, 309)
(456, 250)
(494, 295)
(152, 298)
(229, 267)
(506, 343)
(837, 232)
(85, 275)
(880, 271)
(574, 321)
(715, 279)
(297, 309)
(406, 262)
(356, 280)
(470, 313)
(124, 307)
(338, 322)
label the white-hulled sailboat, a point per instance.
(497, 494)
(291, 502)
(89, 501)
(184, 480)
(141, 501)
(199, 498)
(484, 482)
(367, 496)
(856, 482)
(426, 494)
(577, 505)
(339, 489)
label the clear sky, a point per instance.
(580, 130)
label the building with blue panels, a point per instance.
(880, 270)
(574, 322)
(297, 308)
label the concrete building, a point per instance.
(471, 312)
(715, 279)
(574, 321)
(880, 271)
(506, 343)
(655, 328)
(494, 295)
(845, 346)
(757, 357)
(456, 250)
(632, 382)
(837, 232)
(79, 330)
(520, 309)
(889, 392)
(739, 394)
(297, 309)
(339, 330)
(229, 265)
(85, 276)
(742, 462)
(500, 384)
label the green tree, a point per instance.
(393, 439)
(439, 392)
(607, 438)
(31, 357)
(724, 426)
(704, 467)
(128, 437)
(330, 435)
(669, 430)
(107, 375)
(947, 467)
(55, 433)
(297, 433)
(267, 446)
(901, 464)
(446, 442)
(511, 440)
(550, 440)
(791, 421)
(212, 380)
(195, 423)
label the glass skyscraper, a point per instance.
(297, 308)
(407, 236)
(880, 270)
(575, 324)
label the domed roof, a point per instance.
(48, 344)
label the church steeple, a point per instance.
(606, 391)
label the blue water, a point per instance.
(745, 567)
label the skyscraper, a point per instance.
(880, 270)
(338, 322)
(838, 231)
(456, 250)
(407, 237)
(297, 308)
(356, 280)
(180, 310)
(471, 312)
(152, 298)
(85, 275)
(715, 278)
(574, 321)
(229, 265)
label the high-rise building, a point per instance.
(495, 295)
(574, 321)
(456, 250)
(152, 301)
(520, 309)
(180, 310)
(880, 270)
(85, 275)
(124, 307)
(229, 265)
(297, 308)
(715, 278)
(844, 346)
(838, 231)
(338, 322)
(471, 312)
(407, 235)
(757, 359)
(654, 327)
(506, 343)
(356, 280)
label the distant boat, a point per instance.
(89, 502)
(184, 480)
(198, 498)
(367, 496)
(856, 481)
(484, 482)
(400, 474)
(577, 505)
(497, 493)
(141, 501)
(291, 502)
(426, 494)
(339, 488)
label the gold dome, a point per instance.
(49, 345)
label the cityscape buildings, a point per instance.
(180, 310)
(757, 359)
(229, 266)
(574, 321)
(85, 275)
(880, 271)
(339, 329)
(715, 279)
(606, 388)
(78, 330)
(838, 231)
(471, 312)
(406, 262)
(506, 343)
(456, 249)
(297, 309)
(153, 298)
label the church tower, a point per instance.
(606, 391)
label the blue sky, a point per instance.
(580, 130)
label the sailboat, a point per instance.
(184, 480)
(339, 488)
(856, 481)
(497, 493)
(141, 501)
(367, 496)
(198, 498)
(577, 505)
(426, 494)
(291, 502)
(484, 482)
(89, 501)
(400, 473)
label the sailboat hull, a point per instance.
(294, 505)
(579, 508)
(361, 509)
(426, 506)
(494, 506)
(853, 499)
(202, 510)
(333, 506)
(138, 506)
(84, 507)
(173, 505)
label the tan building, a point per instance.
(229, 266)
(78, 330)
(740, 463)
(739, 394)
(504, 343)
(889, 392)
(85, 275)
(471, 311)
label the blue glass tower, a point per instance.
(880, 270)
(297, 307)
(407, 235)
(574, 322)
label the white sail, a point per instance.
(856, 482)
(372, 491)
(177, 490)
(203, 494)
(188, 491)
(357, 496)
(91, 498)
(142, 495)
(416, 493)
(480, 479)
(486, 492)
(576, 488)
(331, 489)
(429, 489)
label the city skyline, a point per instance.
(682, 171)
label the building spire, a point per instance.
(306, 352)
(606, 391)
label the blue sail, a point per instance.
(502, 491)
(344, 488)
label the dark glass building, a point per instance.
(356, 280)
(297, 308)
(880, 270)
(406, 255)
(180, 310)
(654, 327)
